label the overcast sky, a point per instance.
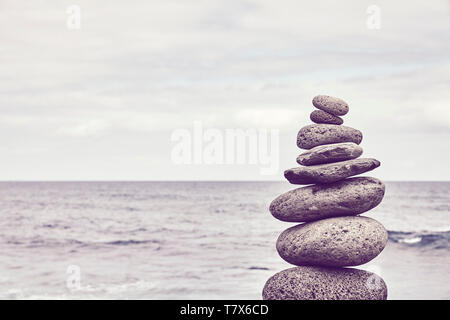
(101, 102)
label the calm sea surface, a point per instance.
(193, 240)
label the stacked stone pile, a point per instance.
(331, 235)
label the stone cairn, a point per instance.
(332, 234)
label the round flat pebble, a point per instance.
(330, 172)
(330, 153)
(333, 242)
(320, 116)
(315, 135)
(321, 283)
(335, 106)
(347, 197)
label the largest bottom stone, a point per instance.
(323, 283)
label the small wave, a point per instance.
(55, 226)
(118, 195)
(131, 209)
(50, 243)
(258, 268)
(161, 197)
(119, 287)
(40, 243)
(411, 240)
(435, 240)
(131, 242)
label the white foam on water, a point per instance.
(411, 240)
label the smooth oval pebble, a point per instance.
(330, 172)
(320, 116)
(318, 134)
(330, 153)
(321, 283)
(334, 242)
(347, 197)
(335, 106)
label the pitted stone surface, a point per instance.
(347, 197)
(315, 135)
(334, 242)
(330, 153)
(335, 106)
(321, 283)
(320, 116)
(330, 172)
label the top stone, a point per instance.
(335, 106)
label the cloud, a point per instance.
(266, 118)
(134, 73)
(88, 129)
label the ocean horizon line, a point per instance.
(119, 180)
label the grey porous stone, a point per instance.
(330, 153)
(334, 242)
(335, 106)
(330, 172)
(319, 134)
(347, 197)
(321, 283)
(320, 116)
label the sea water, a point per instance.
(193, 240)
